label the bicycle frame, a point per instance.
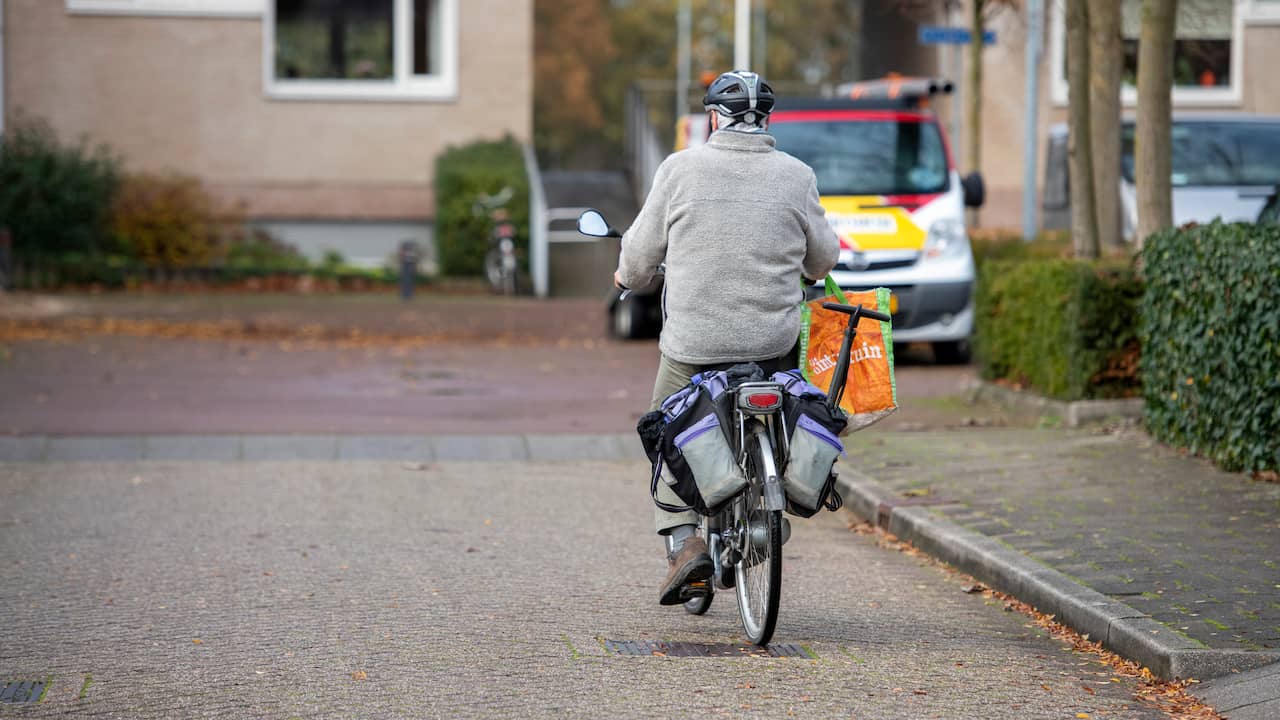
(759, 436)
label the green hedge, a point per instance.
(1066, 328)
(1211, 337)
(462, 174)
(55, 198)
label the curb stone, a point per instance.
(1073, 414)
(265, 448)
(1120, 628)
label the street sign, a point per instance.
(946, 35)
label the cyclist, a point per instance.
(737, 223)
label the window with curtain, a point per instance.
(362, 48)
(1202, 47)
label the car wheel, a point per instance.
(952, 352)
(627, 322)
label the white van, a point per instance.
(1224, 166)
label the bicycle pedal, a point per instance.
(697, 588)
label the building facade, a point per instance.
(1226, 53)
(320, 119)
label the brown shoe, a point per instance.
(691, 564)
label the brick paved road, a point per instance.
(1195, 547)
(162, 590)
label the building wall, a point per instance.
(187, 94)
(1004, 103)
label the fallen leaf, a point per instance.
(974, 588)
(360, 675)
(197, 641)
(1046, 687)
(1089, 690)
(1084, 716)
(919, 692)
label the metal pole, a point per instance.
(957, 86)
(759, 42)
(741, 34)
(1, 66)
(1031, 139)
(684, 38)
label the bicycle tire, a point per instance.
(701, 604)
(758, 585)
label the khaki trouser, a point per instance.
(673, 375)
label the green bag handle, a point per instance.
(834, 289)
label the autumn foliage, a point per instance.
(167, 221)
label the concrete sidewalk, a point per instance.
(1162, 557)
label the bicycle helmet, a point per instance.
(740, 94)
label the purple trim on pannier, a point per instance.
(812, 426)
(697, 429)
(795, 384)
(679, 401)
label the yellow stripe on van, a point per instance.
(865, 224)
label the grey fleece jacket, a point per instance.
(736, 222)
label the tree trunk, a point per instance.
(1106, 63)
(1084, 218)
(1153, 137)
(973, 97)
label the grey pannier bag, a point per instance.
(813, 446)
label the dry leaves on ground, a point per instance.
(1170, 697)
(289, 337)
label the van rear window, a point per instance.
(868, 157)
(1217, 153)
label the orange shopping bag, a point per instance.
(870, 392)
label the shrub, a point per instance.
(1211, 336)
(1003, 245)
(257, 250)
(53, 197)
(169, 221)
(462, 174)
(1067, 328)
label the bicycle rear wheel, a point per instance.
(759, 570)
(700, 604)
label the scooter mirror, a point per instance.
(593, 223)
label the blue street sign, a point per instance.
(945, 35)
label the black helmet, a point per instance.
(737, 93)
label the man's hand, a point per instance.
(617, 281)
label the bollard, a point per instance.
(6, 259)
(408, 268)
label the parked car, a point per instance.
(893, 196)
(1224, 166)
(896, 200)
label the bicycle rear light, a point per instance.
(760, 400)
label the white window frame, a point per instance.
(199, 8)
(1259, 12)
(1186, 97)
(441, 85)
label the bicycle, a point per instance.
(501, 266)
(745, 539)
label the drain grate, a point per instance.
(687, 649)
(22, 691)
